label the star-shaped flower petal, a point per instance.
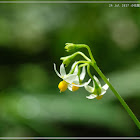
(97, 92)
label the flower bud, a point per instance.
(72, 47)
(66, 60)
(69, 47)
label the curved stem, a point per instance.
(82, 54)
(88, 70)
(117, 95)
(87, 47)
(89, 51)
(77, 64)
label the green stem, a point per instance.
(77, 64)
(88, 70)
(89, 51)
(83, 55)
(66, 60)
(117, 95)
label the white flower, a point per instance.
(69, 78)
(97, 92)
(70, 81)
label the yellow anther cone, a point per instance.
(63, 85)
(74, 88)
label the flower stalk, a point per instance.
(84, 62)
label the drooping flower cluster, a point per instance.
(74, 79)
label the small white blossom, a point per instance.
(71, 80)
(100, 90)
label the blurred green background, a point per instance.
(32, 38)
